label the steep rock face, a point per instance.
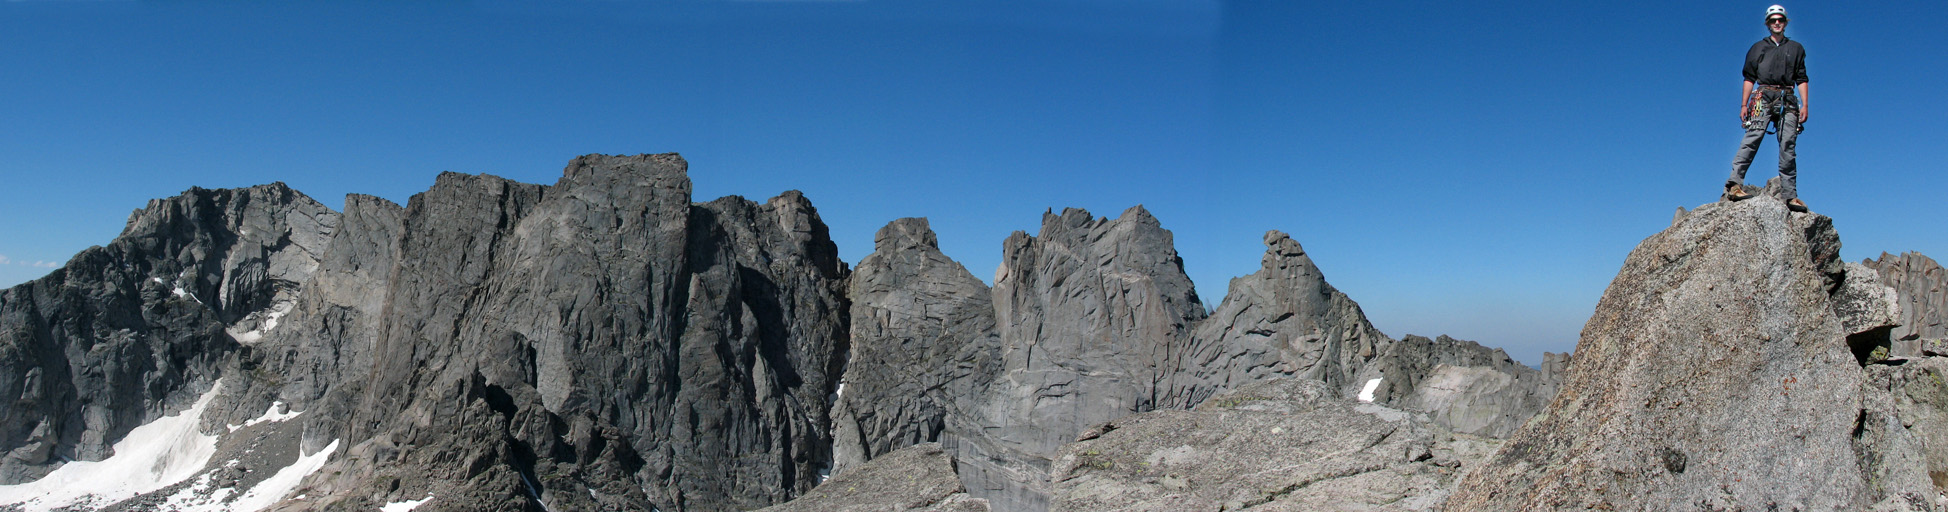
(1923, 287)
(1095, 311)
(127, 332)
(1903, 434)
(1091, 315)
(1716, 372)
(782, 313)
(602, 342)
(924, 348)
(1283, 320)
(1280, 444)
(320, 355)
(425, 389)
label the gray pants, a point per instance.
(1755, 127)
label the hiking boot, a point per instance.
(1736, 193)
(1796, 205)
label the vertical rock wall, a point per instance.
(602, 342)
(1923, 287)
(1092, 313)
(924, 349)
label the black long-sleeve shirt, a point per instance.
(1782, 64)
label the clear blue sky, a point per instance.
(1478, 169)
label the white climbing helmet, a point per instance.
(1776, 10)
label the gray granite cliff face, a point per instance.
(320, 354)
(1923, 288)
(1721, 370)
(1093, 314)
(599, 342)
(1084, 325)
(1903, 434)
(130, 331)
(1284, 320)
(924, 349)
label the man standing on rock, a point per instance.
(1774, 68)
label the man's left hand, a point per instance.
(1802, 114)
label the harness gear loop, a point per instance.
(1768, 97)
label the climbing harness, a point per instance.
(1768, 103)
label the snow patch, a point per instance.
(535, 493)
(270, 415)
(150, 457)
(184, 294)
(198, 497)
(247, 337)
(403, 506)
(1366, 394)
(269, 322)
(275, 488)
(278, 310)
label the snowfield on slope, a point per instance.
(157, 457)
(150, 457)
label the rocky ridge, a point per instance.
(599, 342)
(1283, 320)
(1098, 312)
(1661, 409)
(606, 343)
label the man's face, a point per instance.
(1777, 24)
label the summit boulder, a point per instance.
(1721, 370)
